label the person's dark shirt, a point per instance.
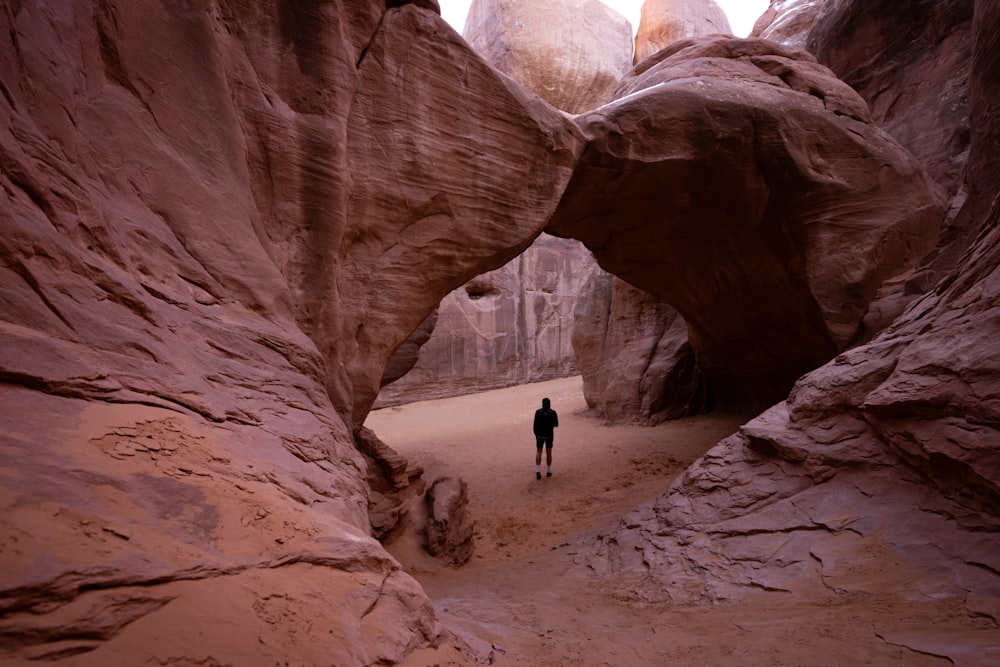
(546, 419)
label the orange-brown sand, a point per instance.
(522, 601)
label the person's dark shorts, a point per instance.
(540, 442)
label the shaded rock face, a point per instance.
(218, 225)
(822, 207)
(211, 221)
(663, 22)
(913, 69)
(892, 445)
(570, 52)
(634, 355)
(917, 85)
(506, 327)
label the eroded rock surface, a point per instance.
(218, 226)
(634, 355)
(913, 69)
(891, 446)
(821, 207)
(788, 22)
(510, 326)
(449, 527)
(570, 52)
(663, 22)
(211, 225)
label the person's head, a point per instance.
(546, 404)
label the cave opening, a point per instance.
(501, 343)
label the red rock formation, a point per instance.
(893, 445)
(570, 52)
(769, 278)
(218, 225)
(634, 355)
(916, 86)
(663, 22)
(449, 527)
(506, 327)
(913, 71)
(788, 22)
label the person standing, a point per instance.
(546, 420)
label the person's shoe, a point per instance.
(538, 475)
(548, 474)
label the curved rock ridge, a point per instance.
(663, 22)
(891, 447)
(220, 221)
(571, 53)
(821, 207)
(218, 224)
(918, 91)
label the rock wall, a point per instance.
(510, 326)
(211, 220)
(891, 445)
(918, 90)
(571, 53)
(917, 87)
(769, 279)
(220, 222)
(634, 355)
(663, 22)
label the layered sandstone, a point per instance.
(510, 326)
(210, 233)
(821, 207)
(890, 447)
(220, 224)
(571, 53)
(663, 22)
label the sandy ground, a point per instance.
(522, 601)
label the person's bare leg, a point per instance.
(548, 461)
(538, 464)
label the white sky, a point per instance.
(742, 13)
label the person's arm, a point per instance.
(555, 419)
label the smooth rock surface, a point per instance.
(769, 278)
(510, 326)
(918, 91)
(634, 355)
(571, 53)
(788, 22)
(663, 22)
(917, 87)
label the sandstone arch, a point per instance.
(216, 228)
(745, 185)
